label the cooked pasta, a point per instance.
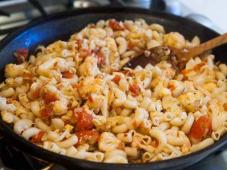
(75, 97)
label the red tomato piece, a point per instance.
(199, 66)
(28, 77)
(38, 138)
(21, 55)
(195, 68)
(155, 143)
(67, 74)
(90, 99)
(87, 136)
(185, 72)
(225, 106)
(200, 129)
(77, 85)
(79, 43)
(36, 93)
(83, 120)
(131, 45)
(46, 112)
(134, 88)
(49, 97)
(116, 79)
(100, 57)
(84, 53)
(171, 86)
(115, 25)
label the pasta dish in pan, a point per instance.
(74, 98)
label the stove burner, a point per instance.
(20, 12)
(84, 4)
(38, 6)
(3, 13)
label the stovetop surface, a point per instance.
(16, 13)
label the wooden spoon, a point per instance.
(177, 57)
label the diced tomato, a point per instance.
(225, 106)
(199, 66)
(135, 124)
(171, 86)
(46, 112)
(28, 77)
(116, 79)
(67, 74)
(38, 138)
(49, 97)
(90, 99)
(155, 143)
(185, 72)
(115, 25)
(134, 88)
(100, 57)
(131, 45)
(195, 68)
(87, 136)
(77, 85)
(36, 93)
(67, 121)
(83, 120)
(21, 55)
(84, 53)
(114, 70)
(200, 129)
(79, 43)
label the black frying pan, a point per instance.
(60, 26)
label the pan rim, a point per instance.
(43, 153)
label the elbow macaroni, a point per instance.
(132, 115)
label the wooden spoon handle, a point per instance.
(195, 51)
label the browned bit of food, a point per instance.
(156, 55)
